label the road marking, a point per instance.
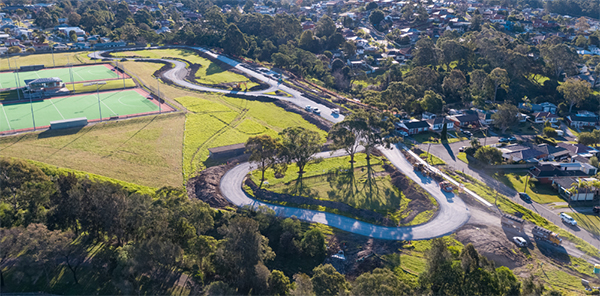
(6, 117)
(56, 109)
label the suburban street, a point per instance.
(448, 153)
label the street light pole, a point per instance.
(53, 63)
(159, 103)
(98, 85)
(31, 104)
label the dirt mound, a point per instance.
(205, 186)
(419, 199)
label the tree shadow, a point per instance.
(213, 69)
(370, 188)
(344, 186)
(300, 188)
(449, 150)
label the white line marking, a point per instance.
(56, 109)
(111, 110)
(6, 117)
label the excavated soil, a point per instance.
(205, 186)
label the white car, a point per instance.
(307, 108)
(568, 219)
(316, 111)
(521, 242)
(335, 111)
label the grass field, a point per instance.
(463, 156)
(80, 73)
(216, 120)
(539, 193)
(15, 116)
(589, 222)
(145, 150)
(209, 73)
(60, 59)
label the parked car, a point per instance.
(462, 149)
(503, 140)
(524, 196)
(512, 139)
(568, 219)
(335, 111)
(596, 209)
(316, 111)
(307, 108)
(521, 242)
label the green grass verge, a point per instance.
(209, 73)
(216, 120)
(540, 193)
(463, 157)
(110, 85)
(431, 159)
(589, 222)
(145, 150)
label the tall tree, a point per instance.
(325, 27)
(347, 134)
(574, 90)
(263, 151)
(560, 57)
(234, 42)
(313, 243)
(279, 284)
(506, 116)
(299, 146)
(327, 281)
(499, 78)
(376, 17)
(488, 155)
(425, 53)
(432, 102)
(380, 281)
(302, 285)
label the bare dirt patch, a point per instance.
(205, 186)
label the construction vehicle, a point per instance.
(513, 222)
(547, 235)
(446, 186)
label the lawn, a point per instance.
(209, 73)
(427, 137)
(60, 59)
(330, 179)
(110, 85)
(463, 156)
(528, 128)
(216, 120)
(540, 193)
(431, 159)
(144, 150)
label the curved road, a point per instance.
(179, 72)
(452, 213)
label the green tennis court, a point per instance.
(16, 116)
(81, 73)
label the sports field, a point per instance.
(80, 73)
(17, 116)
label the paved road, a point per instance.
(452, 214)
(448, 154)
(179, 72)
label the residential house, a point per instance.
(12, 42)
(308, 25)
(541, 117)
(437, 124)
(543, 107)
(67, 30)
(427, 115)
(579, 149)
(41, 46)
(582, 119)
(565, 185)
(521, 153)
(465, 120)
(546, 172)
(552, 153)
(414, 127)
(485, 117)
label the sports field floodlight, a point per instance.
(98, 85)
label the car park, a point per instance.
(521, 242)
(568, 219)
(316, 111)
(524, 196)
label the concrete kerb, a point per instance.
(473, 194)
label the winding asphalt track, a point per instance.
(452, 213)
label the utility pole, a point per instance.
(98, 85)
(31, 104)
(53, 63)
(159, 102)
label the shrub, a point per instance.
(550, 132)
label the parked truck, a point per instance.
(547, 235)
